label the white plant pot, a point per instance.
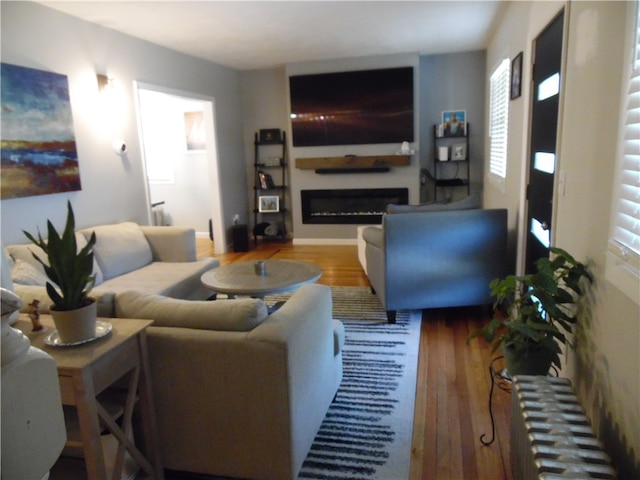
(75, 326)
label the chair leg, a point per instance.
(391, 316)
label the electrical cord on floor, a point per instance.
(427, 173)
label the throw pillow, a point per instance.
(26, 273)
(5, 270)
(120, 248)
(24, 253)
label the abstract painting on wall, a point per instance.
(37, 144)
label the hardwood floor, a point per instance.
(451, 411)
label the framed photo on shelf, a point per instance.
(516, 76)
(458, 152)
(266, 182)
(270, 135)
(454, 123)
(269, 204)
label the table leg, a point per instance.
(89, 425)
(147, 410)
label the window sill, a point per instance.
(622, 276)
(497, 181)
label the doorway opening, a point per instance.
(180, 156)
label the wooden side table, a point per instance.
(85, 371)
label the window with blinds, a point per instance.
(624, 244)
(499, 119)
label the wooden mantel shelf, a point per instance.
(354, 161)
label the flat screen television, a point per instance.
(352, 108)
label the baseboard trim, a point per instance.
(325, 241)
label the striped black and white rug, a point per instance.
(367, 431)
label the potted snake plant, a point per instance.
(534, 313)
(71, 279)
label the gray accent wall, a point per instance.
(453, 81)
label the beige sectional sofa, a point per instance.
(238, 392)
(127, 256)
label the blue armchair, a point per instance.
(432, 259)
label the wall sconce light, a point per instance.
(120, 147)
(104, 82)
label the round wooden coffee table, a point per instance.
(279, 276)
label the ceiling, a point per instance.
(247, 35)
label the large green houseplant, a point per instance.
(534, 313)
(71, 276)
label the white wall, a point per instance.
(605, 366)
(113, 188)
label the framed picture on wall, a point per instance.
(269, 203)
(516, 76)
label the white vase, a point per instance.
(76, 326)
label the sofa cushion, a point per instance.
(374, 235)
(120, 248)
(339, 336)
(24, 253)
(240, 315)
(26, 273)
(81, 242)
(171, 279)
(6, 266)
(472, 201)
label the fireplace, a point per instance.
(349, 206)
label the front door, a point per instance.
(544, 133)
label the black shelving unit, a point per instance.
(270, 187)
(454, 171)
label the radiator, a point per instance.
(551, 437)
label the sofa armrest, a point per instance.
(171, 244)
(240, 404)
(304, 324)
(374, 235)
